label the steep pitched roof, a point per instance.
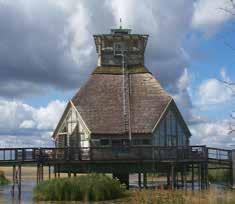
(100, 103)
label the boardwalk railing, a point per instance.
(219, 154)
(134, 153)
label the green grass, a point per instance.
(93, 187)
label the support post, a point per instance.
(42, 172)
(145, 180)
(172, 177)
(139, 180)
(55, 169)
(49, 172)
(199, 175)
(185, 177)
(206, 175)
(168, 179)
(233, 168)
(19, 182)
(58, 171)
(13, 179)
(192, 177)
(38, 173)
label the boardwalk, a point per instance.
(121, 161)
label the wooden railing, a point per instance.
(132, 153)
(219, 154)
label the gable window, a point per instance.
(170, 132)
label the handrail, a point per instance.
(143, 152)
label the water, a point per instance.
(26, 196)
(28, 185)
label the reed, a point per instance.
(92, 187)
(3, 179)
(212, 196)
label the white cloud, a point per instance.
(213, 134)
(27, 124)
(47, 117)
(209, 16)
(19, 120)
(213, 91)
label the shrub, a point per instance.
(3, 179)
(92, 187)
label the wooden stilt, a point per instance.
(55, 171)
(139, 180)
(58, 171)
(206, 175)
(13, 179)
(145, 180)
(19, 182)
(182, 176)
(185, 176)
(193, 177)
(38, 173)
(172, 177)
(168, 179)
(199, 175)
(49, 172)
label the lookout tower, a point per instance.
(120, 47)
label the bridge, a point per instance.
(121, 161)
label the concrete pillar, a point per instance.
(233, 168)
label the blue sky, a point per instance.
(47, 52)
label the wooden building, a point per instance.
(121, 103)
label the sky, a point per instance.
(47, 52)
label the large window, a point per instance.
(170, 132)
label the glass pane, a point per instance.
(104, 142)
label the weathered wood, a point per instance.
(139, 180)
(145, 180)
(19, 182)
(233, 168)
(192, 177)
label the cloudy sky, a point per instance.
(47, 52)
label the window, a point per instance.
(170, 132)
(146, 142)
(136, 142)
(119, 48)
(104, 142)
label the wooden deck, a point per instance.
(9, 156)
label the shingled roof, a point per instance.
(100, 102)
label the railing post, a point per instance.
(233, 168)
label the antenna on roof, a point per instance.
(120, 23)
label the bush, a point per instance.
(92, 187)
(3, 179)
(219, 175)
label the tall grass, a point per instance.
(182, 197)
(93, 187)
